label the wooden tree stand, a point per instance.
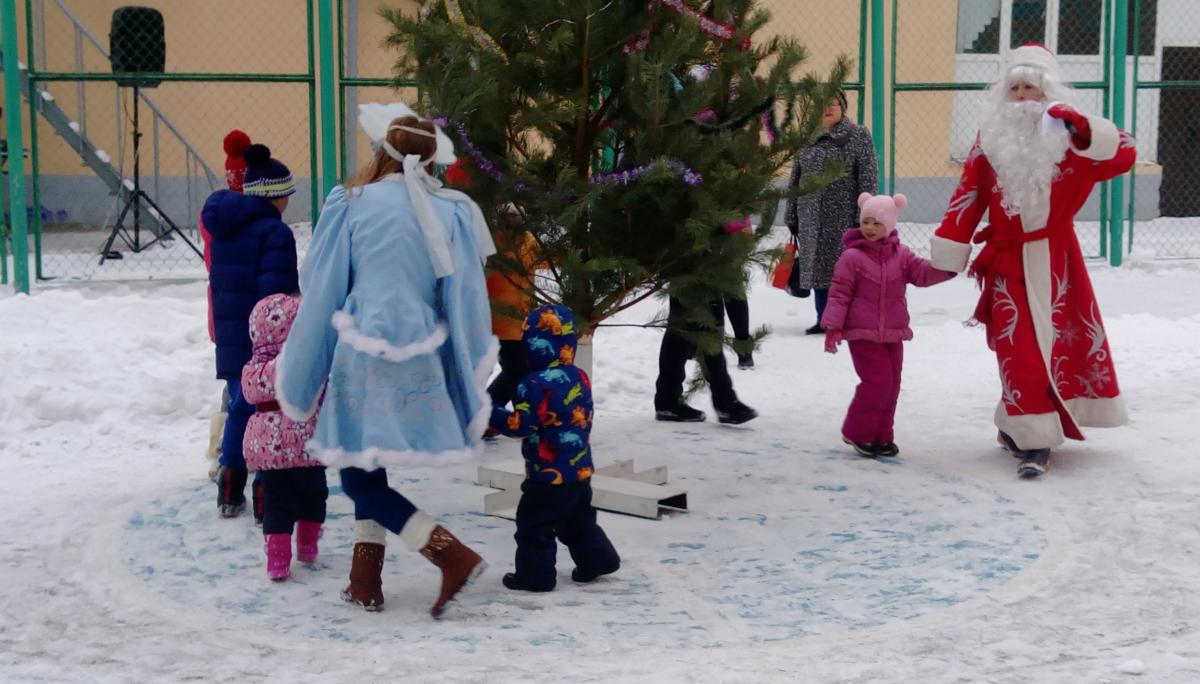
(615, 487)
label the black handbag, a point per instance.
(793, 284)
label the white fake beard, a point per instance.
(1025, 160)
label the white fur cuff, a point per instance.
(949, 255)
(1099, 413)
(369, 532)
(1031, 430)
(417, 531)
(1105, 140)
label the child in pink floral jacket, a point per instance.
(294, 484)
(868, 308)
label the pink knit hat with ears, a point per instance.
(882, 208)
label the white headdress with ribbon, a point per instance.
(375, 119)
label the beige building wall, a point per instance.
(270, 36)
(214, 36)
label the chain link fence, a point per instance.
(942, 63)
(221, 74)
(1165, 63)
(189, 74)
(937, 102)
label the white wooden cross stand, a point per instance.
(616, 487)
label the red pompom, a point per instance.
(236, 143)
(457, 174)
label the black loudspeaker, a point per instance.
(137, 45)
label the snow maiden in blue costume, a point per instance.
(395, 329)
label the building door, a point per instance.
(1179, 135)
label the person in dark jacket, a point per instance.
(819, 220)
(253, 256)
(235, 144)
(553, 412)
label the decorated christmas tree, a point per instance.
(622, 135)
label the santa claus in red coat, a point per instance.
(1031, 169)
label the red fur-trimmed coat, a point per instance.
(1041, 315)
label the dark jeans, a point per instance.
(673, 356)
(738, 312)
(293, 494)
(564, 511)
(375, 500)
(820, 298)
(235, 425)
(513, 366)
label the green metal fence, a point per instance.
(81, 111)
(933, 120)
(916, 88)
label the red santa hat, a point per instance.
(235, 145)
(882, 208)
(1035, 56)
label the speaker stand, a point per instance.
(133, 200)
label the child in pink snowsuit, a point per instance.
(868, 309)
(294, 485)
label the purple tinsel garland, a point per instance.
(689, 176)
(481, 161)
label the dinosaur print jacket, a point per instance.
(553, 406)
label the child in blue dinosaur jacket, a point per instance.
(553, 412)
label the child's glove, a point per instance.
(832, 339)
(1077, 124)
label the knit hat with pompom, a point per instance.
(265, 176)
(235, 145)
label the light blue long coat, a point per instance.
(406, 355)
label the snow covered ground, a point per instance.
(797, 562)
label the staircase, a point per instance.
(74, 131)
(978, 29)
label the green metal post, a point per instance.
(1116, 216)
(862, 60)
(1106, 101)
(343, 141)
(16, 143)
(35, 174)
(328, 96)
(314, 184)
(891, 131)
(1133, 123)
(878, 120)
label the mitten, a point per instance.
(832, 339)
(1077, 124)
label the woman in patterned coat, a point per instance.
(819, 220)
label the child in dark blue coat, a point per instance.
(253, 256)
(553, 412)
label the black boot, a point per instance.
(736, 413)
(1008, 443)
(745, 361)
(865, 449)
(1034, 462)
(584, 576)
(815, 330)
(259, 498)
(680, 413)
(231, 490)
(887, 449)
(511, 581)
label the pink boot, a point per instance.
(307, 534)
(279, 556)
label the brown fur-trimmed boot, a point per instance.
(458, 563)
(366, 581)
